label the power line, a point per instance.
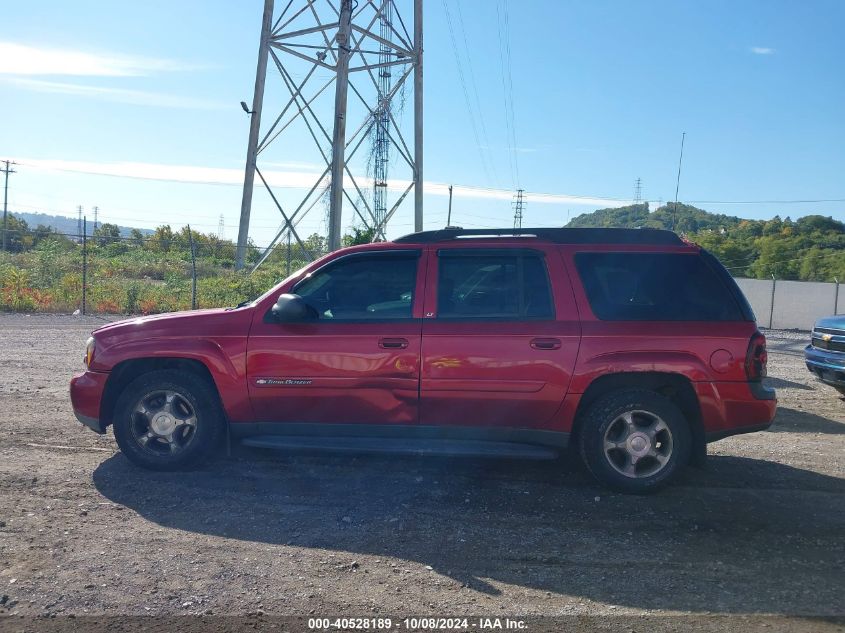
(507, 88)
(467, 100)
(474, 85)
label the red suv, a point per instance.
(631, 346)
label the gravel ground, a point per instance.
(760, 531)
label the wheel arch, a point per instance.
(675, 387)
(128, 370)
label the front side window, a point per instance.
(363, 287)
(478, 284)
(654, 287)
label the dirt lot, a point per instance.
(761, 531)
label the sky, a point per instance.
(135, 109)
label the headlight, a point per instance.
(89, 351)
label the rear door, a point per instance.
(499, 342)
(359, 362)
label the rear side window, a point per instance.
(654, 287)
(493, 284)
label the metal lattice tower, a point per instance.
(221, 228)
(365, 49)
(638, 191)
(79, 222)
(518, 208)
(381, 122)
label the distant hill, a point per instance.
(688, 219)
(66, 225)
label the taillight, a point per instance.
(756, 358)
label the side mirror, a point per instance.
(291, 308)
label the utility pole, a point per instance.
(96, 209)
(449, 215)
(638, 191)
(519, 207)
(254, 128)
(339, 137)
(7, 170)
(678, 182)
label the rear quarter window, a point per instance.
(655, 287)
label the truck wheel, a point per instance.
(167, 420)
(634, 440)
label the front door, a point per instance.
(359, 361)
(499, 346)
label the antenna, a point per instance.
(449, 215)
(518, 208)
(678, 182)
(638, 191)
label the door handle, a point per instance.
(393, 343)
(545, 343)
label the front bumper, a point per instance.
(829, 367)
(86, 394)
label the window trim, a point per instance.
(520, 254)
(407, 252)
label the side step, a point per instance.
(401, 446)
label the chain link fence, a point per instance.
(165, 272)
(107, 273)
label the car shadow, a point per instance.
(723, 540)
(781, 383)
(793, 421)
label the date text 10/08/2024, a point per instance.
(417, 624)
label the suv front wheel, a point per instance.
(634, 440)
(167, 420)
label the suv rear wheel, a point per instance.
(167, 420)
(634, 440)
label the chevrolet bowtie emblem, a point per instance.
(827, 337)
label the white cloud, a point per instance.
(21, 59)
(762, 50)
(291, 179)
(119, 95)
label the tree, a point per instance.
(106, 234)
(136, 237)
(359, 236)
(162, 239)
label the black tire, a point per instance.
(193, 399)
(671, 445)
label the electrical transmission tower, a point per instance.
(220, 228)
(79, 228)
(96, 210)
(365, 49)
(638, 191)
(518, 208)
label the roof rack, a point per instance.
(558, 236)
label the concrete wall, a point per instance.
(797, 304)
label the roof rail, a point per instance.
(556, 235)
